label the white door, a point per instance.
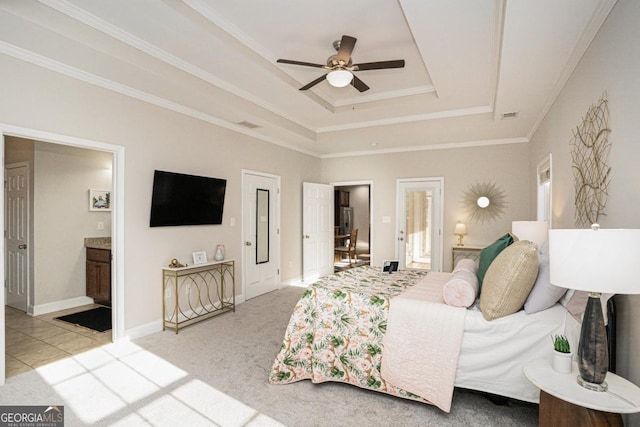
(261, 231)
(419, 228)
(317, 231)
(17, 235)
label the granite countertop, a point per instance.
(97, 242)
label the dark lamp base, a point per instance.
(593, 356)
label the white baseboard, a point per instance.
(156, 326)
(146, 329)
(50, 307)
(296, 281)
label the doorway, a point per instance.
(317, 231)
(419, 226)
(261, 233)
(352, 211)
(116, 155)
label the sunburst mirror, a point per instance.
(484, 202)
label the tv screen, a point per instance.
(180, 199)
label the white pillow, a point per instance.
(461, 289)
(544, 294)
(466, 264)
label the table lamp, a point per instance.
(460, 231)
(533, 231)
(597, 261)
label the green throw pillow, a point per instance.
(488, 254)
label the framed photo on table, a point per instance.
(199, 257)
(390, 266)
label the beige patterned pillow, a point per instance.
(509, 280)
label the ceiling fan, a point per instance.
(341, 66)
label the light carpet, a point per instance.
(216, 373)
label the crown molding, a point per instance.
(98, 24)
(386, 95)
(75, 73)
(408, 119)
(447, 146)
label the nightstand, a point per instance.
(464, 252)
(565, 403)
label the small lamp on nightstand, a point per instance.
(597, 261)
(460, 231)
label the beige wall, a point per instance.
(506, 165)
(611, 64)
(63, 176)
(155, 138)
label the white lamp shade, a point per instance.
(533, 231)
(605, 260)
(460, 228)
(339, 78)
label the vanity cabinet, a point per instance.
(99, 275)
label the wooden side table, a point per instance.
(563, 402)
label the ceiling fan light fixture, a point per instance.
(339, 78)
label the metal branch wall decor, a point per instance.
(484, 202)
(590, 152)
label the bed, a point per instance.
(340, 331)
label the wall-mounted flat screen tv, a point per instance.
(180, 199)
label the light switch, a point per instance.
(232, 222)
(101, 225)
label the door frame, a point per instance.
(372, 234)
(439, 237)
(117, 222)
(276, 220)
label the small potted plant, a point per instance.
(562, 356)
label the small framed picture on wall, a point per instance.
(99, 200)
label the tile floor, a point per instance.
(32, 342)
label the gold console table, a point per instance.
(197, 292)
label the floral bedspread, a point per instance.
(337, 327)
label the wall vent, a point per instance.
(511, 115)
(248, 124)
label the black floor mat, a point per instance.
(98, 319)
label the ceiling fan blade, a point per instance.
(306, 64)
(359, 84)
(398, 63)
(313, 83)
(346, 47)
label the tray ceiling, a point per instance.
(467, 63)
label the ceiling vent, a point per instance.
(511, 115)
(247, 124)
